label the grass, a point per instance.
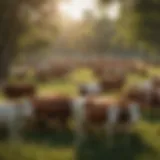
(33, 152)
(57, 87)
(144, 145)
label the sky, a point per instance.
(74, 8)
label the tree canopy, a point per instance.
(19, 27)
(139, 22)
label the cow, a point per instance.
(49, 109)
(103, 85)
(112, 82)
(155, 103)
(146, 94)
(43, 74)
(59, 71)
(83, 110)
(156, 81)
(109, 113)
(14, 116)
(19, 90)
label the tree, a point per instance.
(139, 22)
(90, 35)
(147, 23)
(42, 25)
(13, 24)
(9, 31)
(103, 31)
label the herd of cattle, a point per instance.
(61, 68)
(29, 111)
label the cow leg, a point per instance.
(13, 130)
(79, 117)
(111, 121)
(80, 135)
(16, 127)
(127, 132)
(110, 135)
(14, 136)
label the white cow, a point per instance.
(14, 115)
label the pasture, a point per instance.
(59, 145)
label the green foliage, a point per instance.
(139, 23)
(149, 22)
(41, 24)
(104, 32)
(90, 35)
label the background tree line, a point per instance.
(30, 25)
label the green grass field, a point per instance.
(144, 144)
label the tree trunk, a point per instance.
(9, 31)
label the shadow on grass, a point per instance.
(51, 138)
(153, 116)
(92, 149)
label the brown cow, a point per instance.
(49, 109)
(19, 90)
(147, 95)
(92, 110)
(156, 81)
(112, 82)
(43, 74)
(117, 116)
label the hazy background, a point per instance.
(36, 32)
(34, 29)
